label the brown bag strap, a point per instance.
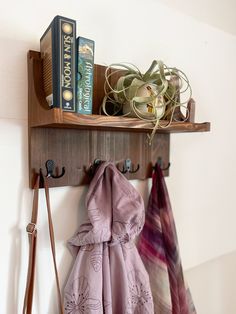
(32, 233)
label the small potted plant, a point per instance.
(153, 96)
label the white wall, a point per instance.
(218, 13)
(209, 295)
(202, 176)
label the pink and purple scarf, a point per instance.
(158, 248)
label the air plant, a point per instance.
(152, 96)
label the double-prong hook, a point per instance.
(50, 165)
(128, 167)
(93, 167)
(160, 164)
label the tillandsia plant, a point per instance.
(152, 96)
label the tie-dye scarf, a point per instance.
(158, 247)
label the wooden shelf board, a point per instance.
(101, 122)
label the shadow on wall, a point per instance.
(16, 232)
(143, 186)
(217, 294)
(66, 222)
(15, 266)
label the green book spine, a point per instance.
(58, 51)
(85, 72)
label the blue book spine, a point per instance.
(85, 72)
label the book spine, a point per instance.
(85, 72)
(67, 70)
(60, 74)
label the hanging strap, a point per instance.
(32, 233)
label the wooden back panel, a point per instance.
(75, 149)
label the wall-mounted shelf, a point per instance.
(101, 122)
(75, 140)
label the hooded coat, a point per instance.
(108, 275)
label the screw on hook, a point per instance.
(128, 167)
(50, 165)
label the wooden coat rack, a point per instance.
(74, 141)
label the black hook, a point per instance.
(160, 163)
(50, 165)
(127, 167)
(92, 169)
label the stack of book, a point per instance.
(68, 67)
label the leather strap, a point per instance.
(32, 233)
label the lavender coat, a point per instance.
(108, 275)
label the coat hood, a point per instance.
(115, 209)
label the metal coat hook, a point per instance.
(160, 163)
(50, 165)
(128, 167)
(92, 169)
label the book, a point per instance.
(85, 67)
(58, 52)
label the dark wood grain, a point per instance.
(76, 149)
(131, 124)
(98, 89)
(191, 111)
(39, 113)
